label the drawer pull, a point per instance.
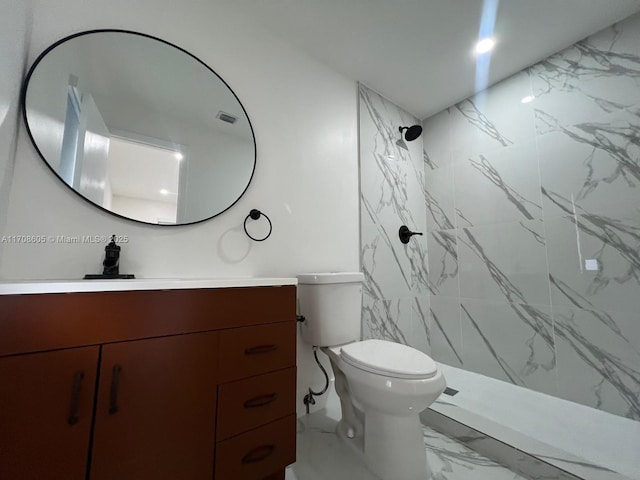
(260, 400)
(75, 398)
(258, 454)
(260, 349)
(115, 384)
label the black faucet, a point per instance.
(111, 264)
(111, 261)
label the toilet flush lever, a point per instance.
(405, 234)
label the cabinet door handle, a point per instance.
(260, 400)
(75, 398)
(115, 383)
(258, 454)
(260, 349)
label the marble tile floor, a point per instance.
(588, 443)
(321, 456)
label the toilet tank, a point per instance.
(332, 306)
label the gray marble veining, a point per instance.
(446, 332)
(601, 349)
(528, 194)
(439, 199)
(474, 116)
(450, 459)
(443, 263)
(493, 119)
(392, 193)
(526, 464)
(532, 194)
(597, 255)
(591, 79)
(510, 341)
(499, 186)
(504, 264)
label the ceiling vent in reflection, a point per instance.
(226, 117)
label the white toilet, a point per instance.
(383, 386)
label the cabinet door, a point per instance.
(155, 413)
(46, 407)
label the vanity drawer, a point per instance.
(255, 401)
(256, 454)
(249, 351)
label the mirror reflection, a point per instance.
(139, 127)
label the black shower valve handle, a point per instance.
(405, 234)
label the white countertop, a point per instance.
(69, 286)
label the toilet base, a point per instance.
(394, 446)
(391, 446)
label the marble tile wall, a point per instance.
(392, 192)
(533, 221)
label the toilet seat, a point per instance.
(389, 359)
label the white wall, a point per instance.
(15, 28)
(306, 179)
(214, 177)
(92, 167)
(150, 210)
(49, 92)
(206, 189)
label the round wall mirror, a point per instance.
(139, 127)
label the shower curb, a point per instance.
(515, 459)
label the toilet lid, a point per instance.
(389, 358)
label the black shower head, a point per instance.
(411, 132)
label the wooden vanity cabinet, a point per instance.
(179, 393)
(46, 409)
(156, 409)
(256, 410)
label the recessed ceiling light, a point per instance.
(164, 191)
(485, 45)
(527, 99)
(178, 156)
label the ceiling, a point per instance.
(176, 93)
(418, 53)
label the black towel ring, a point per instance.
(255, 215)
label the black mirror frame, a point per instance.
(23, 106)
